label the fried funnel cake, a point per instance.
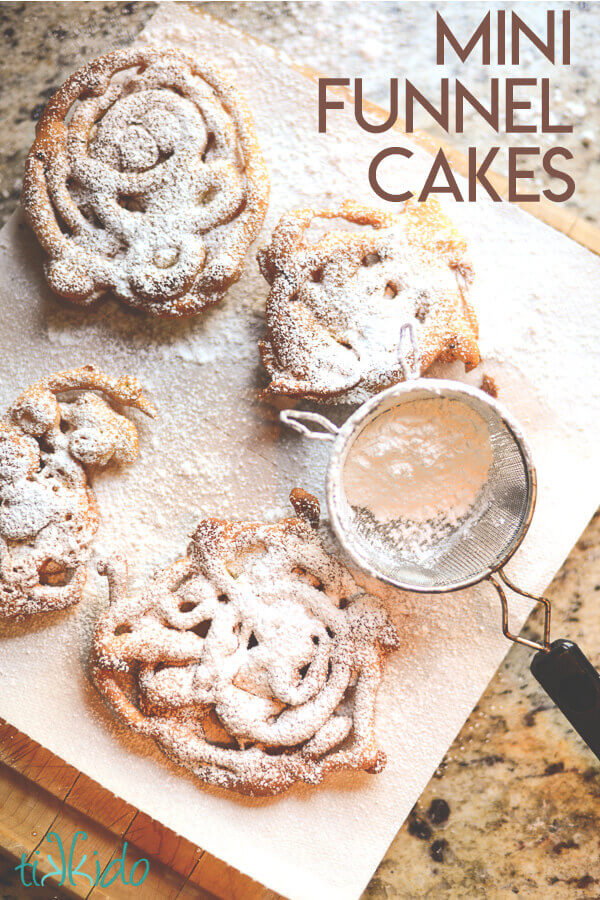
(254, 661)
(48, 514)
(337, 304)
(145, 179)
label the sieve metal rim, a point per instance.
(351, 428)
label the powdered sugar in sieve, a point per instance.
(418, 473)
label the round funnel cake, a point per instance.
(337, 303)
(146, 179)
(48, 513)
(254, 661)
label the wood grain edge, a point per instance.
(40, 793)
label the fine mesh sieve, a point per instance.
(480, 544)
(477, 546)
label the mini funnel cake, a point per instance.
(254, 661)
(337, 304)
(146, 179)
(48, 513)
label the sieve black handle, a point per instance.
(569, 678)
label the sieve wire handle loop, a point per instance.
(296, 419)
(534, 645)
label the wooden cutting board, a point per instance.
(40, 793)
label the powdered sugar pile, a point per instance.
(416, 472)
(418, 460)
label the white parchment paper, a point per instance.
(216, 450)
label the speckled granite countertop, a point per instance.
(514, 806)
